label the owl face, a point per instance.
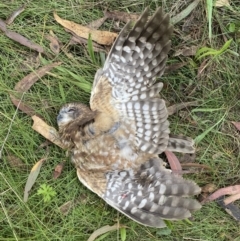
(70, 112)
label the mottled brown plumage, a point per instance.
(115, 144)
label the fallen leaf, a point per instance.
(96, 47)
(236, 124)
(173, 162)
(19, 38)
(49, 132)
(32, 178)
(16, 163)
(54, 42)
(58, 170)
(222, 3)
(21, 106)
(187, 158)
(97, 23)
(217, 155)
(189, 51)
(173, 67)
(175, 108)
(232, 198)
(104, 230)
(209, 188)
(231, 190)
(15, 14)
(201, 68)
(44, 144)
(26, 83)
(231, 209)
(66, 207)
(121, 16)
(185, 12)
(101, 37)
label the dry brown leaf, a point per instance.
(121, 16)
(231, 209)
(232, 198)
(222, 3)
(96, 47)
(187, 158)
(58, 170)
(101, 37)
(175, 108)
(209, 188)
(16, 163)
(32, 178)
(189, 51)
(236, 124)
(21, 106)
(231, 190)
(173, 162)
(97, 23)
(26, 83)
(66, 207)
(15, 14)
(201, 68)
(49, 132)
(104, 230)
(54, 42)
(173, 67)
(19, 38)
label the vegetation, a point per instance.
(211, 75)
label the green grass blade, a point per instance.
(209, 15)
(200, 137)
(91, 50)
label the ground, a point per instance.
(213, 81)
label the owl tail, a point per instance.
(151, 195)
(179, 143)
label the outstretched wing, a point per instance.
(147, 196)
(124, 89)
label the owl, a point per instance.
(115, 143)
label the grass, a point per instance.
(218, 89)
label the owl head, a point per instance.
(72, 112)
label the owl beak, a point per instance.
(59, 118)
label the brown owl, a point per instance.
(115, 143)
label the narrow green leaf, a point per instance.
(103, 58)
(232, 27)
(206, 109)
(205, 51)
(102, 237)
(90, 49)
(209, 15)
(185, 12)
(32, 178)
(62, 92)
(200, 137)
(225, 46)
(81, 82)
(202, 50)
(123, 234)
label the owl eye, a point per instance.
(71, 110)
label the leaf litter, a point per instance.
(100, 37)
(25, 84)
(19, 38)
(32, 178)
